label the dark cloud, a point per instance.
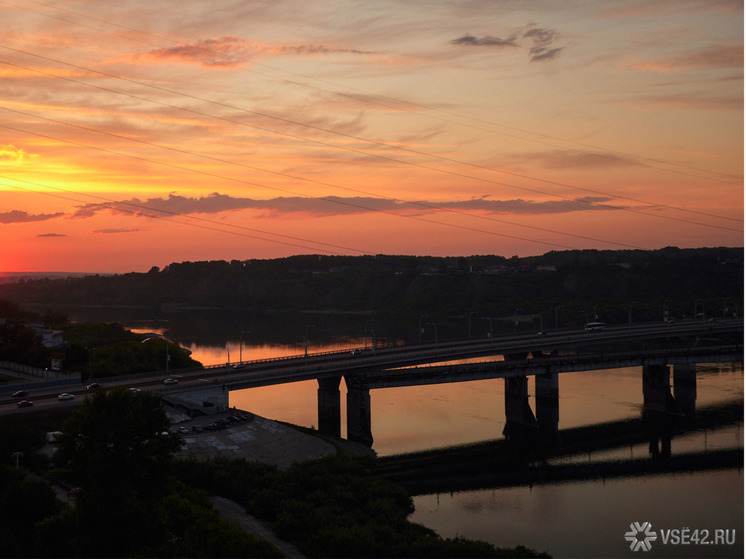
(18, 216)
(540, 39)
(115, 231)
(541, 54)
(331, 206)
(488, 41)
(51, 235)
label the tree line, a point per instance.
(559, 286)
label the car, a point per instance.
(239, 366)
(171, 381)
(93, 386)
(20, 394)
(183, 430)
(24, 403)
(66, 396)
(135, 390)
(542, 333)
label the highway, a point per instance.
(298, 368)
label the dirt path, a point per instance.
(230, 510)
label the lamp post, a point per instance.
(586, 315)
(90, 362)
(305, 338)
(240, 344)
(436, 332)
(470, 314)
(365, 334)
(558, 307)
(515, 319)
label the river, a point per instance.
(571, 519)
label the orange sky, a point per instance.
(136, 134)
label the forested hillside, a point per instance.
(685, 281)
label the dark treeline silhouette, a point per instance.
(564, 287)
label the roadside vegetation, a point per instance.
(91, 349)
(130, 497)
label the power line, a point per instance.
(395, 102)
(138, 208)
(324, 183)
(349, 136)
(331, 200)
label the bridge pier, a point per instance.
(685, 388)
(520, 423)
(358, 414)
(660, 410)
(329, 406)
(547, 406)
(656, 390)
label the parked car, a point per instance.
(93, 386)
(171, 381)
(20, 394)
(24, 403)
(134, 390)
(66, 396)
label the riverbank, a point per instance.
(255, 438)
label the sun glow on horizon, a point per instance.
(140, 141)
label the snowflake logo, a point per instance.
(640, 535)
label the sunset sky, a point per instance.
(138, 133)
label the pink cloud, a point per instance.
(712, 57)
(232, 51)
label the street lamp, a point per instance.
(436, 332)
(515, 319)
(492, 330)
(365, 334)
(555, 316)
(586, 315)
(90, 362)
(240, 344)
(305, 338)
(471, 313)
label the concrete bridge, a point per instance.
(656, 348)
